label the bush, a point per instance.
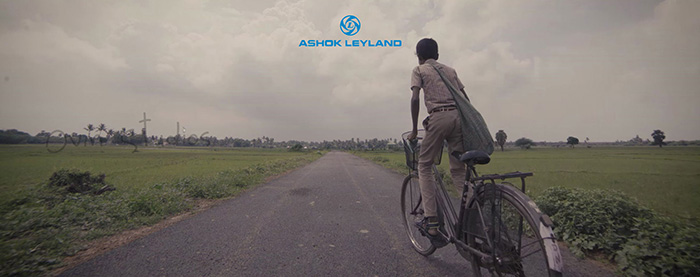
(611, 223)
(296, 148)
(524, 143)
(661, 246)
(595, 220)
(75, 181)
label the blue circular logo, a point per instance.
(350, 25)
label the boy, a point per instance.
(442, 124)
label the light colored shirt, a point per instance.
(435, 92)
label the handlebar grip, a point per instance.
(456, 154)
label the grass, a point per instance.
(22, 167)
(664, 179)
(42, 224)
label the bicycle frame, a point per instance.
(454, 222)
(451, 218)
(450, 215)
(477, 229)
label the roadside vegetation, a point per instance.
(634, 206)
(74, 197)
(613, 225)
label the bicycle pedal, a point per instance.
(438, 240)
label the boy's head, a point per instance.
(427, 48)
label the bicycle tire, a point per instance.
(412, 212)
(517, 217)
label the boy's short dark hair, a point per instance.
(427, 48)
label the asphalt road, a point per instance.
(339, 215)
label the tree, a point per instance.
(636, 140)
(572, 140)
(296, 148)
(13, 136)
(90, 128)
(524, 143)
(501, 138)
(659, 137)
(43, 133)
(101, 128)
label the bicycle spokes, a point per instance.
(505, 235)
(413, 214)
(417, 210)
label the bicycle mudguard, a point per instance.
(555, 261)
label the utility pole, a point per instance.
(145, 136)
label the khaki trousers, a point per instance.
(439, 126)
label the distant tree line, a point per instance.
(13, 136)
(658, 139)
(101, 135)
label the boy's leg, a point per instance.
(429, 149)
(426, 177)
(458, 170)
(437, 127)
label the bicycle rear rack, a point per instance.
(517, 174)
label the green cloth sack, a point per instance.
(475, 133)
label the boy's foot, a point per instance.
(429, 226)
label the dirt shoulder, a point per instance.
(100, 246)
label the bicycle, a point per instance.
(498, 228)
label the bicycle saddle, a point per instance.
(473, 157)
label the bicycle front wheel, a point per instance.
(505, 224)
(412, 213)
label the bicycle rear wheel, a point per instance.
(504, 223)
(412, 213)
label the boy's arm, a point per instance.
(415, 108)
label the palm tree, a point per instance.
(110, 133)
(90, 128)
(122, 135)
(101, 128)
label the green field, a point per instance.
(40, 224)
(22, 167)
(664, 179)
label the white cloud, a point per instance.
(42, 42)
(544, 69)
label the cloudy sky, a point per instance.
(542, 69)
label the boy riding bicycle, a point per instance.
(442, 124)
